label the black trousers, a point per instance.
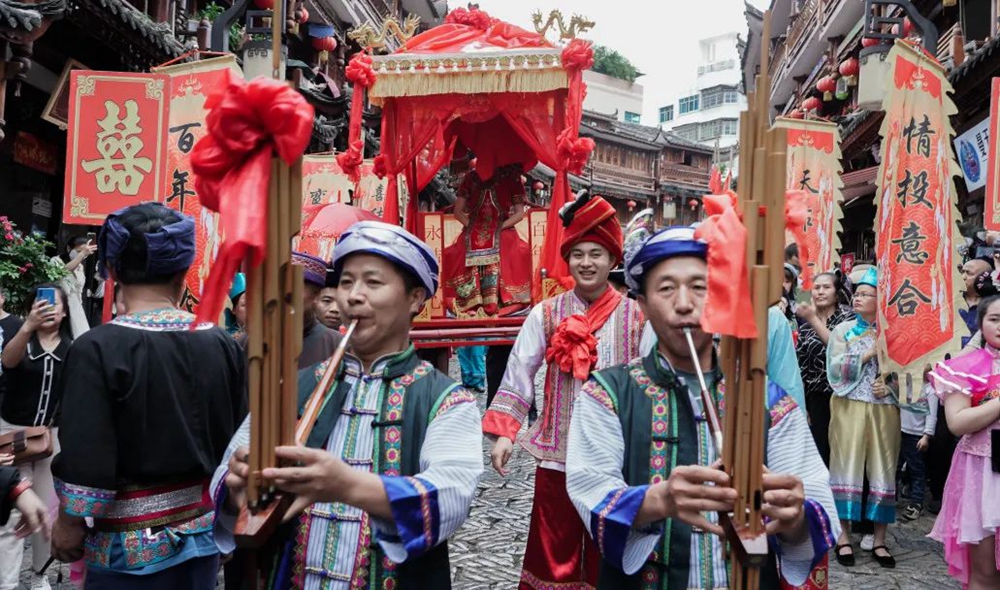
(496, 364)
(939, 455)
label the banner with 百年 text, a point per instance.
(115, 145)
(814, 168)
(190, 85)
(915, 222)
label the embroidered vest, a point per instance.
(412, 391)
(659, 427)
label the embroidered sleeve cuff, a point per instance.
(414, 504)
(83, 501)
(798, 560)
(611, 521)
(499, 423)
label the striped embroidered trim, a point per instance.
(456, 397)
(161, 320)
(425, 510)
(598, 393)
(602, 517)
(532, 581)
(781, 409)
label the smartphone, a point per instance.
(47, 294)
(91, 237)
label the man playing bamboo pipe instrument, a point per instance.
(592, 325)
(641, 468)
(391, 466)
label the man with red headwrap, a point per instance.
(591, 327)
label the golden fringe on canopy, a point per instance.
(490, 81)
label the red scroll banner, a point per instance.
(915, 228)
(991, 214)
(190, 84)
(814, 169)
(116, 144)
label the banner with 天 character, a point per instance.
(190, 85)
(814, 169)
(116, 152)
(915, 222)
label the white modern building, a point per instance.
(613, 97)
(709, 112)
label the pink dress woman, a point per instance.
(969, 511)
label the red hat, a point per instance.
(591, 219)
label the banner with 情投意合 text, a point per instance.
(915, 222)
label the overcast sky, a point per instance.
(659, 36)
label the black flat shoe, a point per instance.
(887, 560)
(844, 559)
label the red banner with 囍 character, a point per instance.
(190, 84)
(116, 143)
(814, 168)
(916, 234)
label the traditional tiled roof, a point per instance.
(675, 140)
(970, 64)
(26, 17)
(158, 35)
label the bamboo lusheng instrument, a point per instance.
(761, 197)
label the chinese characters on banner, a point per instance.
(323, 182)
(814, 168)
(190, 84)
(915, 221)
(116, 144)
(991, 213)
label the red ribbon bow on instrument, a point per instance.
(728, 307)
(247, 122)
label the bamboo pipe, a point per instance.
(319, 395)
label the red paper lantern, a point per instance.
(539, 185)
(849, 69)
(827, 85)
(631, 205)
(907, 28)
(302, 15)
(870, 42)
(811, 104)
(327, 44)
(693, 203)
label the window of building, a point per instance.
(730, 127)
(718, 96)
(688, 104)
(666, 113)
(632, 117)
(731, 97)
(689, 132)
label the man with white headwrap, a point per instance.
(639, 465)
(392, 464)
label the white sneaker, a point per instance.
(867, 543)
(40, 582)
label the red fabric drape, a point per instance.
(361, 74)
(728, 310)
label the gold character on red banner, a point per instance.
(119, 144)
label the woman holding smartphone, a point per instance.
(78, 250)
(32, 361)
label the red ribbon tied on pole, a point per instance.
(359, 72)
(796, 218)
(728, 307)
(475, 18)
(247, 122)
